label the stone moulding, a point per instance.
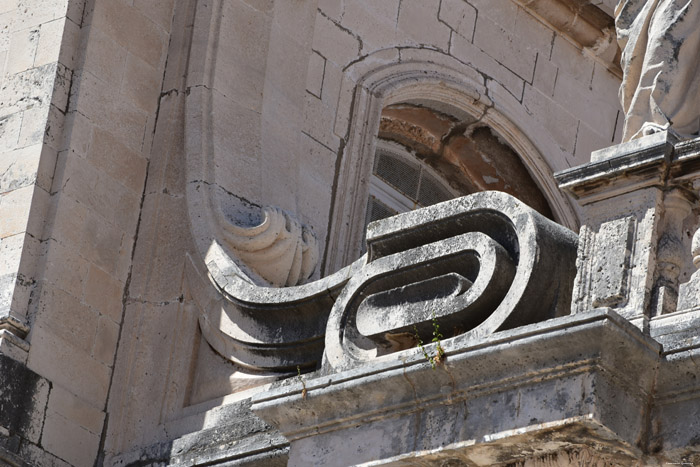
(475, 265)
(494, 400)
(584, 24)
(279, 249)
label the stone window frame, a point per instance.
(454, 88)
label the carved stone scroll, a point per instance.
(280, 249)
(472, 266)
(476, 265)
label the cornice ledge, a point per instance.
(584, 24)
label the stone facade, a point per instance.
(187, 276)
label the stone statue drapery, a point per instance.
(660, 42)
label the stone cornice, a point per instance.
(584, 23)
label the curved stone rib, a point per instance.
(451, 298)
(521, 263)
(263, 328)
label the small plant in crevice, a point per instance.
(440, 356)
(304, 392)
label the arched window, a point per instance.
(432, 120)
(401, 182)
(424, 156)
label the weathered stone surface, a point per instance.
(487, 397)
(630, 256)
(471, 264)
(240, 438)
(23, 396)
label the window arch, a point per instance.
(457, 98)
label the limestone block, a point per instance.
(65, 404)
(131, 29)
(318, 161)
(373, 23)
(13, 346)
(502, 12)
(104, 244)
(163, 241)
(77, 326)
(102, 105)
(319, 122)
(10, 127)
(141, 371)
(14, 210)
(103, 293)
(65, 268)
(61, 362)
(285, 79)
(34, 122)
(598, 114)
(467, 53)
(506, 48)
(50, 43)
(23, 396)
(18, 278)
(533, 35)
(240, 71)
(571, 61)
(295, 22)
(167, 173)
(313, 206)
(69, 441)
(314, 79)
(587, 141)
(418, 19)
(106, 338)
(160, 13)
(75, 11)
(108, 154)
(23, 46)
(32, 13)
(8, 6)
(545, 76)
(25, 166)
(6, 18)
(605, 85)
(11, 249)
(31, 88)
(552, 116)
(459, 16)
(334, 43)
(105, 58)
(39, 457)
(332, 8)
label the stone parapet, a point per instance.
(492, 401)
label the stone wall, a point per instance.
(78, 116)
(98, 133)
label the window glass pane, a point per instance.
(398, 172)
(432, 191)
(377, 210)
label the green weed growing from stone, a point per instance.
(439, 357)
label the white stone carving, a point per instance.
(477, 265)
(660, 88)
(280, 250)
